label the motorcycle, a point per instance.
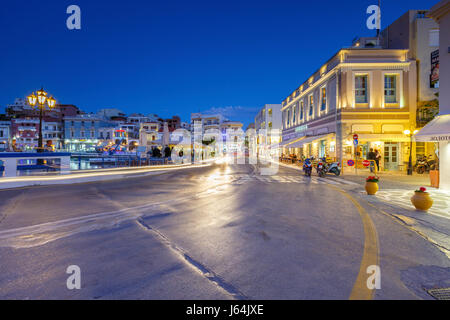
(307, 168)
(425, 164)
(333, 167)
(321, 169)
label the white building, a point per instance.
(52, 131)
(268, 128)
(149, 134)
(5, 135)
(438, 130)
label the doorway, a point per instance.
(391, 156)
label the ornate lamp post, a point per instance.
(410, 134)
(40, 101)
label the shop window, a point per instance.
(420, 148)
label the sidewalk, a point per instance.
(393, 198)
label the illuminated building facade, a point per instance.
(364, 90)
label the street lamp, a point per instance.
(410, 134)
(40, 101)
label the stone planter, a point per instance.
(422, 201)
(371, 188)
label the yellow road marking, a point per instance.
(360, 290)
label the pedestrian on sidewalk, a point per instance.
(377, 158)
(371, 156)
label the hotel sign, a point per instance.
(301, 128)
(440, 138)
(434, 76)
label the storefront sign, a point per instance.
(440, 138)
(301, 128)
(434, 76)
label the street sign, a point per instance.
(350, 163)
(366, 163)
(355, 142)
(355, 137)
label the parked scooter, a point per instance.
(307, 167)
(321, 169)
(332, 167)
(425, 164)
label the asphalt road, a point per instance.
(217, 232)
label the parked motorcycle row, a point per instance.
(425, 164)
(323, 167)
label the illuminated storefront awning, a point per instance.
(306, 140)
(286, 142)
(385, 137)
(436, 130)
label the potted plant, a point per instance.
(421, 199)
(372, 185)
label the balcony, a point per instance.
(426, 111)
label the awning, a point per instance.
(310, 139)
(386, 137)
(436, 130)
(286, 142)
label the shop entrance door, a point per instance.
(391, 156)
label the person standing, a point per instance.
(371, 156)
(377, 158)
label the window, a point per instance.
(302, 111)
(311, 105)
(270, 112)
(289, 117)
(323, 105)
(390, 88)
(294, 116)
(361, 89)
(434, 38)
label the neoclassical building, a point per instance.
(365, 90)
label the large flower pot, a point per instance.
(371, 188)
(422, 201)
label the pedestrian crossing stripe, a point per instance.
(242, 178)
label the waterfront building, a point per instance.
(5, 130)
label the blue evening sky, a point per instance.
(176, 57)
